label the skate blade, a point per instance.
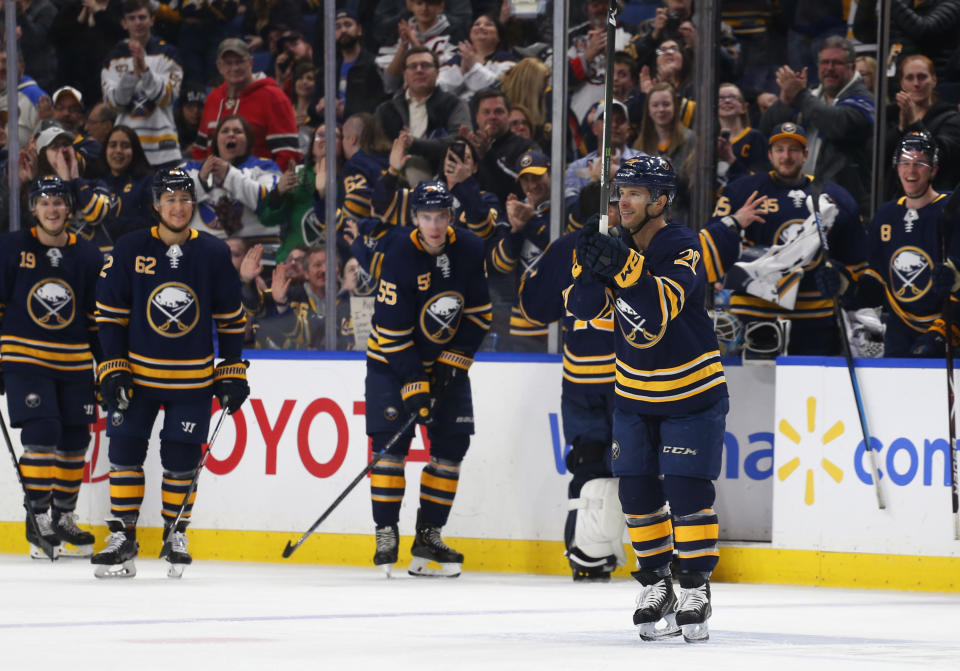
(125, 570)
(70, 550)
(36, 552)
(387, 569)
(665, 627)
(176, 571)
(424, 568)
(697, 632)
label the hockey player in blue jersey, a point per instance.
(907, 271)
(158, 296)
(671, 394)
(48, 345)
(777, 295)
(431, 313)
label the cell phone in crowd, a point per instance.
(725, 134)
(298, 173)
(459, 148)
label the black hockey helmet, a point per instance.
(173, 179)
(49, 185)
(431, 196)
(653, 172)
(919, 141)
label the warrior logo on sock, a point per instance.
(440, 317)
(632, 325)
(51, 304)
(910, 275)
(172, 310)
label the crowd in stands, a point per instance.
(461, 91)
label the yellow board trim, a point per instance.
(747, 563)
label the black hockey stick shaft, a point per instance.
(165, 550)
(948, 212)
(605, 148)
(292, 547)
(44, 544)
(816, 188)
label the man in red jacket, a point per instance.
(256, 98)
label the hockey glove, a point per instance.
(116, 384)
(929, 345)
(418, 402)
(831, 281)
(610, 259)
(945, 280)
(230, 384)
(450, 365)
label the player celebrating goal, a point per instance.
(671, 395)
(157, 296)
(431, 314)
(48, 345)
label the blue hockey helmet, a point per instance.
(173, 179)
(653, 172)
(919, 141)
(49, 185)
(431, 196)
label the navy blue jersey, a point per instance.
(360, 173)
(427, 304)
(156, 304)
(750, 153)
(668, 361)
(786, 208)
(47, 305)
(588, 345)
(511, 254)
(904, 249)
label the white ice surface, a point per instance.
(284, 617)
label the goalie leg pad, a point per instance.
(597, 523)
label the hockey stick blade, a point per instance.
(44, 544)
(165, 550)
(292, 547)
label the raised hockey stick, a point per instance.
(607, 121)
(165, 550)
(292, 547)
(816, 188)
(45, 545)
(943, 226)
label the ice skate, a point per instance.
(74, 541)
(428, 547)
(655, 616)
(693, 607)
(388, 543)
(177, 553)
(47, 533)
(116, 560)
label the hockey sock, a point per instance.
(126, 492)
(67, 476)
(172, 491)
(696, 536)
(438, 487)
(652, 538)
(36, 468)
(387, 484)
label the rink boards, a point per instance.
(803, 513)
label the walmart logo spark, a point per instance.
(794, 436)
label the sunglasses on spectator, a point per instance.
(668, 50)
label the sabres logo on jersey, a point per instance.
(51, 304)
(441, 315)
(632, 325)
(172, 309)
(910, 273)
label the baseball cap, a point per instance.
(67, 90)
(533, 163)
(192, 93)
(234, 45)
(46, 137)
(347, 14)
(789, 131)
(601, 108)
